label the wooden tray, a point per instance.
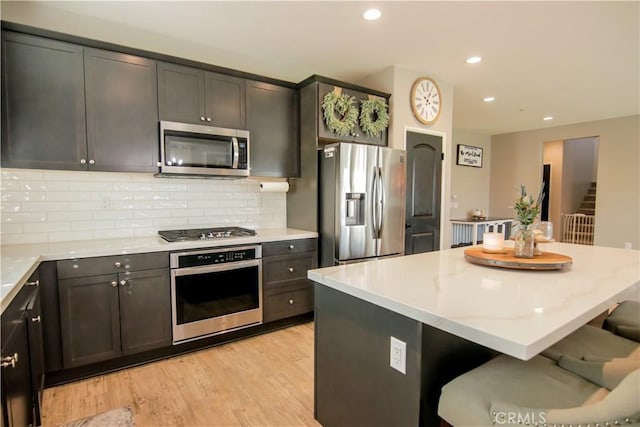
(544, 261)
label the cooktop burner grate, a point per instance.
(205, 233)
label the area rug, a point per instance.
(121, 417)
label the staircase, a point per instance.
(578, 228)
(588, 205)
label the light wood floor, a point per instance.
(260, 381)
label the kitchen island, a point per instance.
(453, 316)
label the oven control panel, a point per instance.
(195, 259)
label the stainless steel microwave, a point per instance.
(188, 149)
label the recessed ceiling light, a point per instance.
(372, 14)
(547, 118)
(473, 60)
(489, 99)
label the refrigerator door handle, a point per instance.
(374, 203)
(380, 202)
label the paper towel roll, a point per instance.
(274, 187)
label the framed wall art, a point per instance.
(469, 156)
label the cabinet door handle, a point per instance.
(202, 119)
(291, 301)
(291, 270)
(118, 264)
(292, 247)
(123, 282)
(36, 319)
(9, 361)
(34, 283)
(92, 162)
(83, 161)
(114, 283)
(208, 119)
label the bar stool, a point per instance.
(624, 320)
(510, 392)
(588, 341)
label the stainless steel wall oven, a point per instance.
(215, 291)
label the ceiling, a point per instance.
(575, 61)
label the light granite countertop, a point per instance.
(516, 312)
(20, 261)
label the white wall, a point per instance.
(398, 81)
(40, 206)
(470, 186)
(517, 159)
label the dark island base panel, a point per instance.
(354, 384)
(74, 374)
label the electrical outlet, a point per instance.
(398, 355)
(628, 245)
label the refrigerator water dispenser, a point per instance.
(354, 212)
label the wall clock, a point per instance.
(425, 100)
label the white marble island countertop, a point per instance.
(20, 261)
(516, 312)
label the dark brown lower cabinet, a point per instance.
(36, 352)
(287, 291)
(22, 358)
(17, 397)
(104, 317)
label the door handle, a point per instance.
(9, 361)
(374, 197)
(380, 201)
(236, 155)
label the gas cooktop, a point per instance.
(205, 233)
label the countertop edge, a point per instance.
(520, 350)
(33, 260)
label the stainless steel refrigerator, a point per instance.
(361, 201)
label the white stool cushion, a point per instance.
(627, 313)
(620, 407)
(538, 383)
(590, 340)
(605, 373)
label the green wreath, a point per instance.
(347, 113)
(370, 109)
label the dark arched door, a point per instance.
(422, 213)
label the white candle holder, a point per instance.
(493, 243)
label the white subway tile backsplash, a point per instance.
(12, 228)
(91, 186)
(65, 236)
(109, 214)
(69, 216)
(50, 206)
(38, 227)
(92, 225)
(72, 196)
(23, 238)
(23, 217)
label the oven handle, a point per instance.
(189, 271)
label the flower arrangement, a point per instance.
(526, 208)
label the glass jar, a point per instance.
(524, 242)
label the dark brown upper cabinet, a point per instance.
(43, 104)
(190, 95)
(273, 123)
(122, 112)
(69, 107)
